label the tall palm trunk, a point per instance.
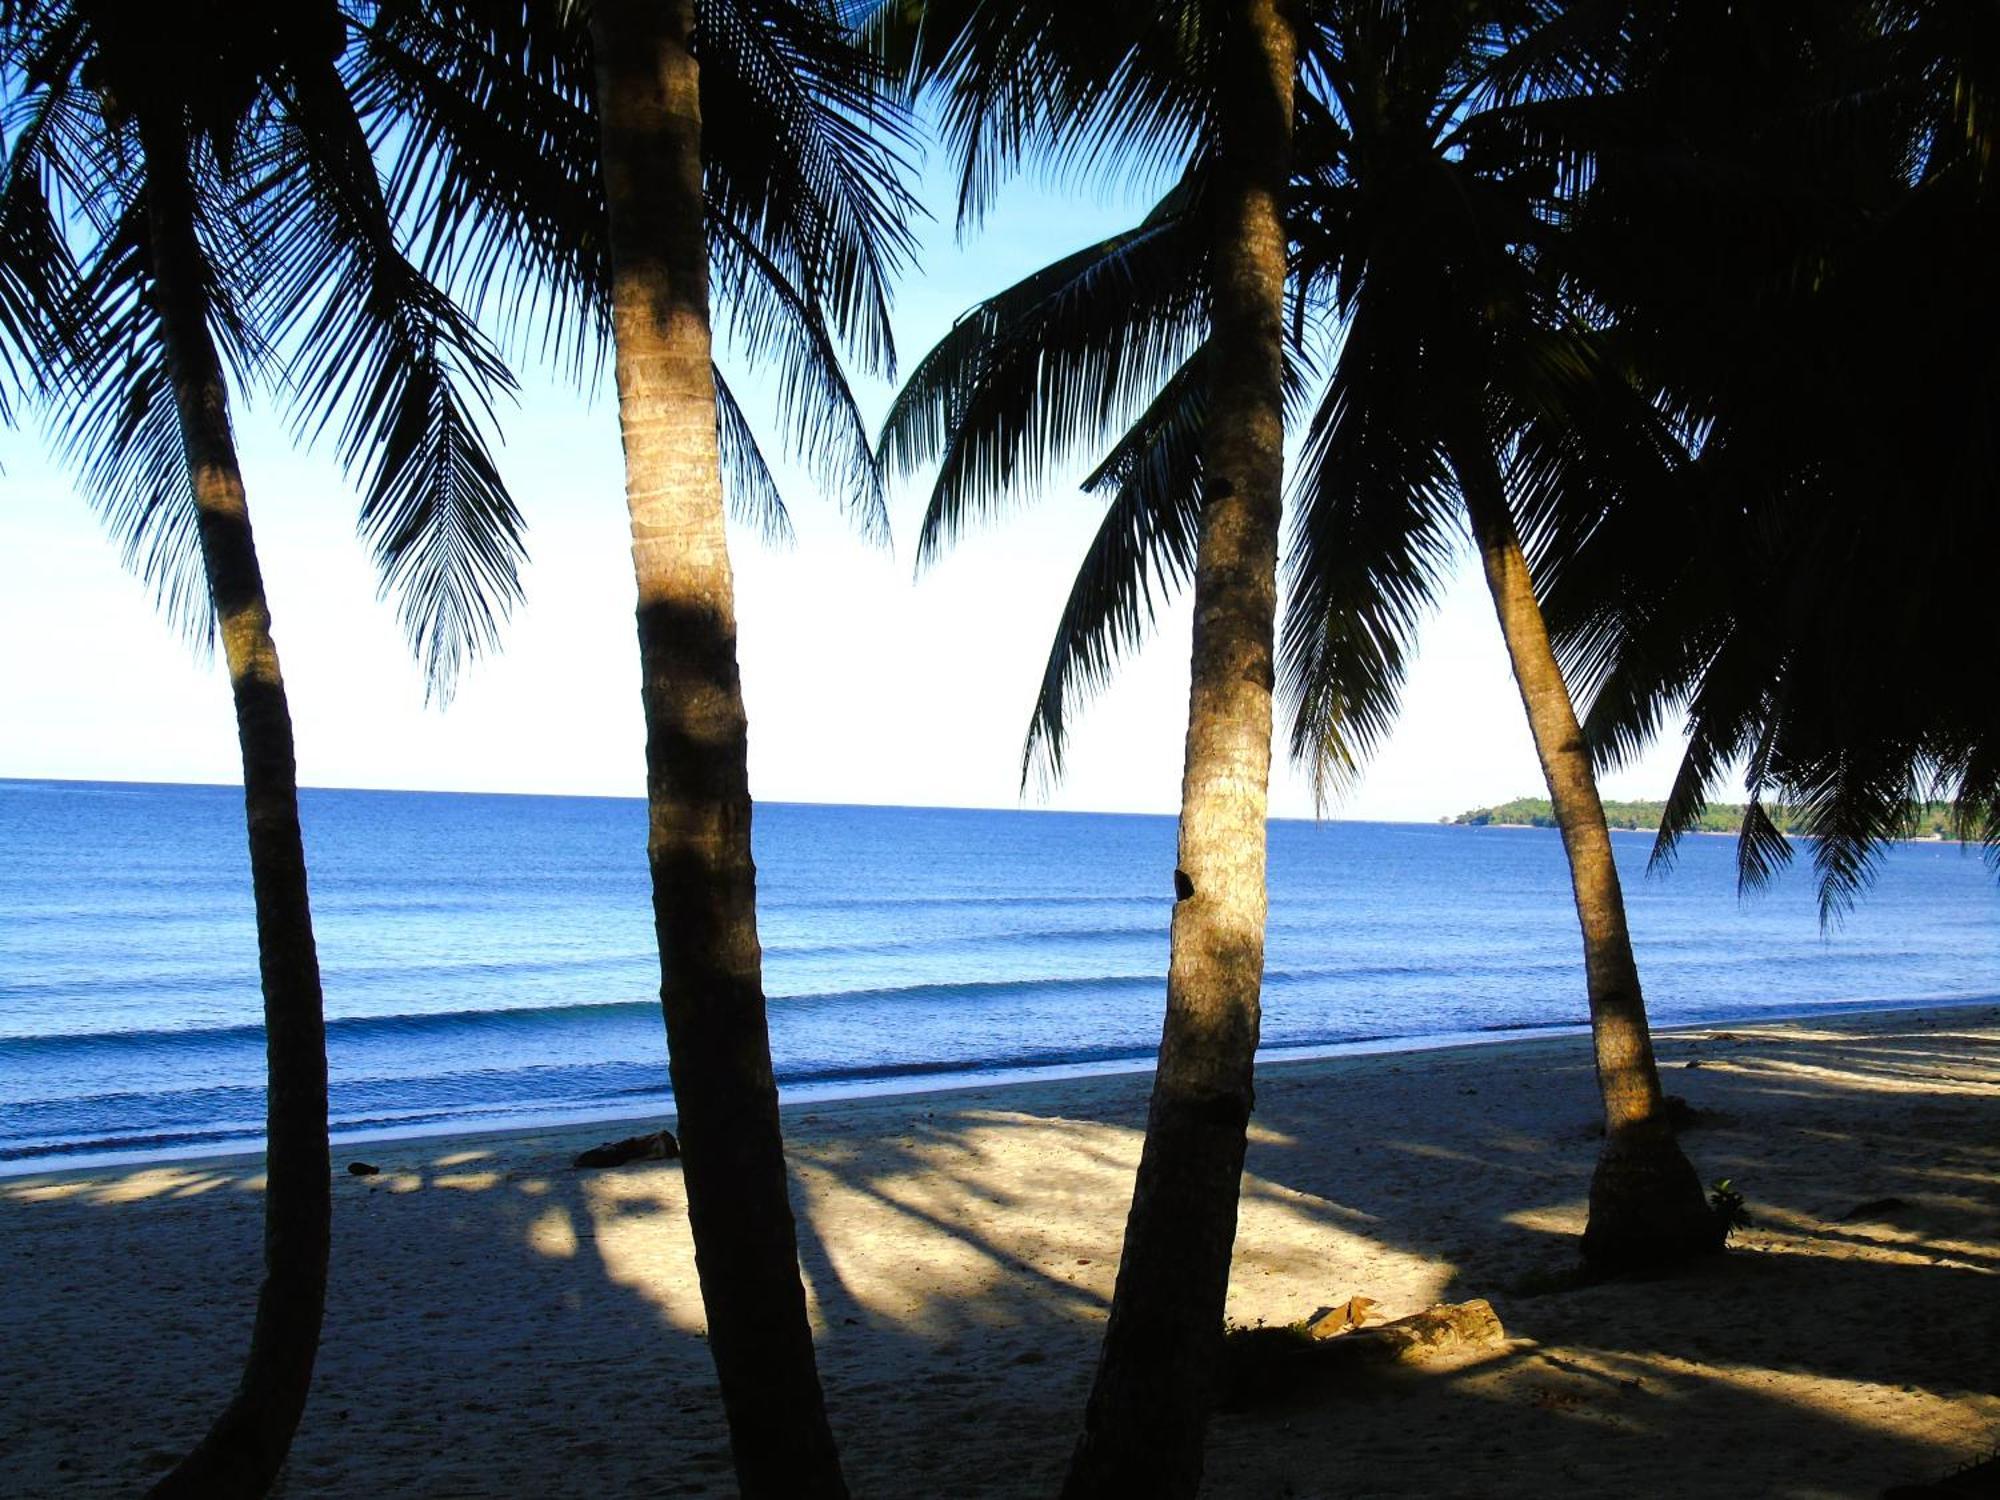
(243, 1451)
(697, 773)
(1646, 1203)
(1143, 1429)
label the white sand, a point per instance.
(502, 1326)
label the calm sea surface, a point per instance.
(489, 959)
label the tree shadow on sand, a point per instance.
(502, 1325)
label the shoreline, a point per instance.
(917, 1085)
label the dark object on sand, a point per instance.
(362, 1169)
(659, 1146)
(1874, 1208)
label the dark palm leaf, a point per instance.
(405, 375)
(1053, 366)
(482, 109)
(1113, 84)
(1370, 548)
(1143, 551)
(754, 497)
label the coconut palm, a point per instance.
(1122, 82)
(1459, 375)
(646, 168)
(189, 197)
(1822, 331)
(1465, 384)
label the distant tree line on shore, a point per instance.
(1927, 820)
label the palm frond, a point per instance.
(1052, 367)
(405, 374)
(812, 159)
(1143, 551)
(111, 412)
(482, 110)
(753, 495)
(767, 319)
(1369, 550)
(1099, 87)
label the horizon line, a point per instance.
(416, 791)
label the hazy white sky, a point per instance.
(864, 685)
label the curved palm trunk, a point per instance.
(1646, 1203)
(243, 1451)
(1143, 1429)
(697, 773)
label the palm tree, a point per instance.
(697, 768)
(1114, 80)
(485, 110)
(641, 162)
(1463, 376)
(1823, 335)
(211, 170)
(1458, 374)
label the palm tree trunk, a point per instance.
(1143, 1429)
(1646, 1203)
(697, 773)
(244, 1449)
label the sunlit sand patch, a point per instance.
(1887, 1409)
(930, 1228)
(552, 1234)
(170, 1182)
(638, 1230)
(461, 1158)
(48, 1192)
(134, 1187)
(1630, 1395)
(1296, 1252)
(1254, 1187)
(1875, 1080)
(467, 1182)
(1884, 1243)
(1553, 1218)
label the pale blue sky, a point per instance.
(863, 685)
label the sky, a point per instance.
(865, 683)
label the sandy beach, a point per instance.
(501, 1325)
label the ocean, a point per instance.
(489, 961)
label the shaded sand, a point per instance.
(502, 1326)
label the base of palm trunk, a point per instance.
(1647, 1208)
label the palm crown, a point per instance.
(805, 201)
(371, 181)
(244, 112)
(1799, 265)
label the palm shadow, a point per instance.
(501, 1324)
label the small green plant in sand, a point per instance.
(1260, 1362)
(1729, 1206)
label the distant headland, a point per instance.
(1928, 820)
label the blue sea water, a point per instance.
(489, 959)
